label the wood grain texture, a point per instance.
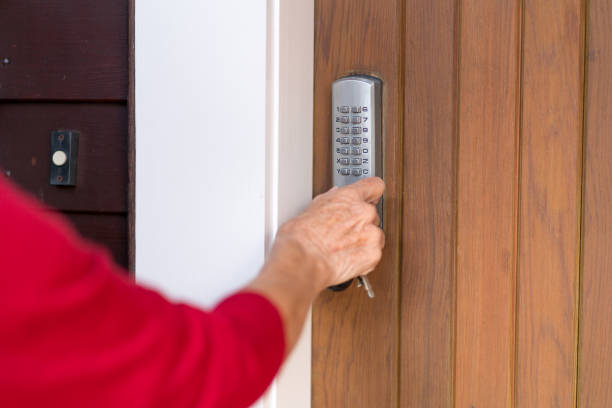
(595, 359)
(102, 176)
(355, 339)
(64, 49)
(551, 161)
(486, 202)
(106, 230)
(428, 244)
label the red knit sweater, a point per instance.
(75, 333)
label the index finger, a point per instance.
(369, 189)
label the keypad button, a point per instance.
(356, 119)
(356, 130)
(344, 161)
(344, 130)
(356, 109)
(344, 140)
(345, 171)
(355, 151)
(344, 119)
(356, 172)
(355, 161)
(344, 150)
(356, 141)
(344, 109)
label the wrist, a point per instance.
(305, 267)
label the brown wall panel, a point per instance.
(549, 217)
(428, 242)
(595, 358)
(355, 347)
(487, 187)
(107, 230)
(64, 49)
(102, 158)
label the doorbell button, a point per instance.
(59, 158)
(344, 109)
(356, 109)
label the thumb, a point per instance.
(369, 189)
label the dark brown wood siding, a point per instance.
(64, 65)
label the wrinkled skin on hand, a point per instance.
(339, 231)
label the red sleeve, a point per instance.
(75, 333)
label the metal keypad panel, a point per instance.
(356, 129)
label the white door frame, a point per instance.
(290, 159)
(175, 48)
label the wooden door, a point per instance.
(495, 287)
(64, 65)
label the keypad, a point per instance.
(359, 150)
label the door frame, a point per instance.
(288, 155)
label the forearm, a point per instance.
(290, 280)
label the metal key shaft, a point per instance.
(363, 281)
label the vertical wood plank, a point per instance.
(355, 347)
(551, 152)
(486, 202)
(595, 359)
(428, 243)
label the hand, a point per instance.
(339, 232)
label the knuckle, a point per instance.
(378, 255)
(369, 212)
(381, 237)
(347, 192)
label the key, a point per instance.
(363, 281)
